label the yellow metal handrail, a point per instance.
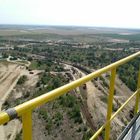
(25, 110)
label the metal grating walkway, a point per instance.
(132, 131)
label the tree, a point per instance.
(22, 80)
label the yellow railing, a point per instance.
(25, 110)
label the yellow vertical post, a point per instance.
(110, 102)
(27, 125)
(137, 95)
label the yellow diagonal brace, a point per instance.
(113, 116)
(138, 94)
(110, 102)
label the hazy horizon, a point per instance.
(80, 26)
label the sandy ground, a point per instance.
(118, 40)
(10, 72)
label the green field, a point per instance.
(131, 37)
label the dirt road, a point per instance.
(84, 94)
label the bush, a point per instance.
(87, 135)
(75, 114)
(43, 113)
(22, 80)
(18, 137)
(67, 100)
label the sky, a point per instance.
(105, 13)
